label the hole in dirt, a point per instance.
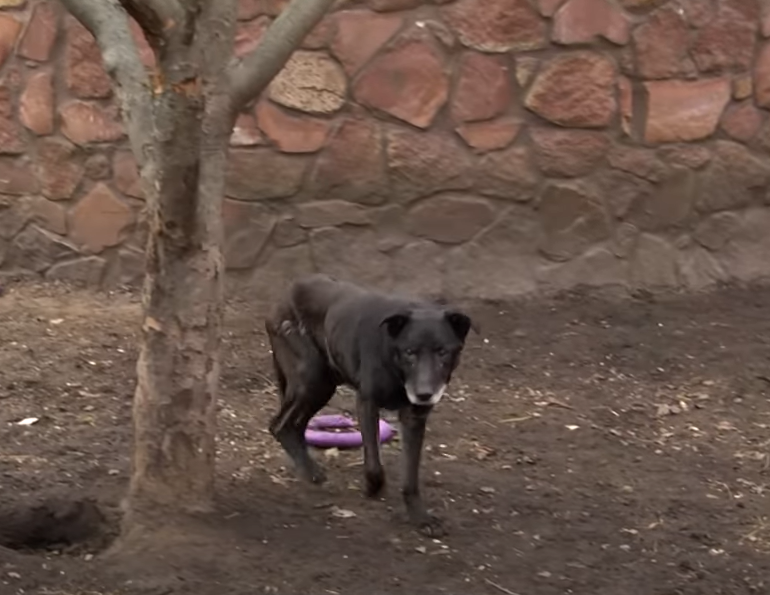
(50, 524)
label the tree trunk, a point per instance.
(179, 123)
(178, 368)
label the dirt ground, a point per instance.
(587, 446)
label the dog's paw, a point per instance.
(374, 483)
(432, 526)
(312, 474)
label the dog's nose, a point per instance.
(424, 396)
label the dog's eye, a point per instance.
(441, 352)
(409, 352)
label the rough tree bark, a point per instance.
(179, 119)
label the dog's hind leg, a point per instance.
(305, 385)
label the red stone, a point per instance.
(490, 135)
(263, 174)
(9, 32)
(292, 134)
(742, 121)
(287, 232)
(320, 36)
(247, 228)
(40, 36)
(747, 9)
(36, 104)
(643, 163)
(679, 111)
(549, 7)
(496, 25)
(662, 45)
(351, 166)
(48, 214)
(249, 9)
(12, 77)
(246, 132)
(146, 55)
(17, 177)
(249, 34)
(692, 156)
(421, 163)
(85, 123)
(575, 89)
(626, 100)
(572, 219)
(762, 76)
(331, 213)
(408, 82)
(582, 21)
(698, 12)
(271, 8)
(483, 88)
(99, 220)
(84, 70)
(37, 249)
(360, 34)
(450, 218)
(58, 169)
(11, 133)
(310, 82)
(126, 174)
(507, 174)
(82, 272)
(568, 153)
(727, 42)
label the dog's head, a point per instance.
(426, 346)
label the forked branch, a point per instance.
(108, 22)
(157, 18)
(250, 76)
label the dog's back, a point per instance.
(341, 312)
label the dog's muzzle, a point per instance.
(425, 399)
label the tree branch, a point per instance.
(156, 17)
(108, 23)
(250, 76)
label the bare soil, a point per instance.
(588, 446)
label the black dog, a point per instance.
(397, 353)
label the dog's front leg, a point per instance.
(369, 422)
(413, 421)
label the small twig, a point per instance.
(500, 587)
(727, 488)
(560, 404)
(513, 420)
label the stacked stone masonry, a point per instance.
(476, 148)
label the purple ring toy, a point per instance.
(315, 436)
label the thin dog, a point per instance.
(397, 353)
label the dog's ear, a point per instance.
(460, 323)
(395, 323)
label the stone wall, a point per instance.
(483, 148)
